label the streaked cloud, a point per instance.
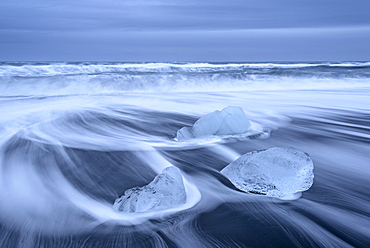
(182, 30)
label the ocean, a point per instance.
(75, 135)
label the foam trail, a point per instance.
(226, 152)
(23, 185)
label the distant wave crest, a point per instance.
(63, 69)
(40, 79)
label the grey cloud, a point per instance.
(145, 30)
(204, 15)
(232, 45)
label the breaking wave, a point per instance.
(24, 79)
(30, 69)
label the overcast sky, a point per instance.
(193, 30)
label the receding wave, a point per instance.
(75, 136)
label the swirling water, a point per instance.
(75, 136)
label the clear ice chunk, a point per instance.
(229, 121)
(165, 191)
(274, 172)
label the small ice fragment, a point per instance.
(231, 120)
(165, 191)
(274, 172)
